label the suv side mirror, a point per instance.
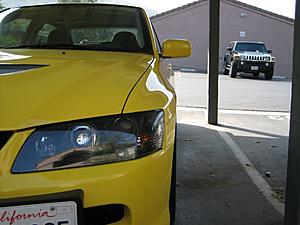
(269, 51)
(176, 48)
(229, 49)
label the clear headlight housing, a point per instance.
(92, 142)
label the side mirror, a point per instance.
(176, 48)
(229, 49)
(269, 51)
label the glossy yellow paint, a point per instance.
(142, 185)
(73, 86)
(85, 84)
(76, 85)
(176, 48)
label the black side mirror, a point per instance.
(229, 49)
(269, 51)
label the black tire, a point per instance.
(172, 197)
(256, 74)
(269, 74)
(225, 70)
(233, 70)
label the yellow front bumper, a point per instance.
(141, 185)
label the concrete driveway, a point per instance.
(233, 173)
(242, 93)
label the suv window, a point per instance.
(250, 47)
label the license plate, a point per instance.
(57, 213)
(254, 68)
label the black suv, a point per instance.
(248, 57)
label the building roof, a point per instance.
(235, 2)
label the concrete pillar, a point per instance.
(292, 209)
(213, 61)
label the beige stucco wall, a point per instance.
(192, 23)
(188, 24)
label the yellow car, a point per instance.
(87, 117)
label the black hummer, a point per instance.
(248, 57)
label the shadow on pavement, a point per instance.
(212, 187)
(262, 77)
(250, 131)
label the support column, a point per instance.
(213, 61)
(292, 209)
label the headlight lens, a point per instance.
(83, 136)
(92, 142)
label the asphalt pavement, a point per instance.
(241, 93)
(233, 173)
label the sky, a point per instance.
(282, 7)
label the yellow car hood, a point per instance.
(74, 85)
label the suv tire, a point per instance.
(269, 73)
(233, 70)
(225, 70)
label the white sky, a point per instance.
(282, 7)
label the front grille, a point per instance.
(255, 58)
(4, 137)
(103, 215)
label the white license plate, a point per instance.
(57, 213)
(254, 68)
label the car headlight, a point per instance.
(92, 142)
(268, 59)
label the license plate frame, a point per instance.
(56, 213)
(254, 68)
(59, 199)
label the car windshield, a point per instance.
(250, 47)
(75, 26)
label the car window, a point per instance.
(43, 33)
(12, 33)
(78, 26)
(94, 35)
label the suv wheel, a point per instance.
(269, 73)
(233, 70)
(225, 70)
